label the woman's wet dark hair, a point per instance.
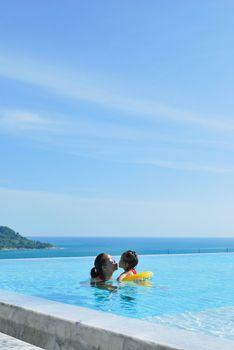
(131, 258)
(97, 271)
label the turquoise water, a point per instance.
(191, 291)
(90, 246)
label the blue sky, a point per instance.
(116, 117)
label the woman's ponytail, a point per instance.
(93, 273)
(97, 271)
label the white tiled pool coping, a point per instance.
(56, 326)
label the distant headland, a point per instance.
(9, 239)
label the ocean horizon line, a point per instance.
(145, 237)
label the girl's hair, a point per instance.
(98, 264)
(130, 257)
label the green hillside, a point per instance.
(9, 239)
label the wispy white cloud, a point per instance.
(30, 121)
(78, 131)
(75, 85)
(189, 166)
(23, 120)
(16, 120)
(49, 132)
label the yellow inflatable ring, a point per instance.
(141, 276)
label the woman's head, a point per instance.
(104, 266)
(128, 260)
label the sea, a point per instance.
(91, 246)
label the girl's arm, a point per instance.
(123, 275)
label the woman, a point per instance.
(104, 266)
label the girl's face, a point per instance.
(110, 265)
(122, 263)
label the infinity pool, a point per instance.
(194, 292)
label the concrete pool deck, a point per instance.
(10, 343)
(55, 326)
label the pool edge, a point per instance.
(52, 325)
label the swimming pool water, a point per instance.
(193, 292)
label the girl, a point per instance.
(128, 261)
